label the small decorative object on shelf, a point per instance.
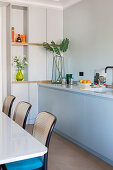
(16, 37)
(22, 36)
(58, 70)
(19, 39)
(12, 34)
(20, 64)
(19, 75)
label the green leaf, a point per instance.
(47, 47)
(56, 49)
(64, 45)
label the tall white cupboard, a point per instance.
(40, 24)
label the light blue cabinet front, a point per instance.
(85, 119)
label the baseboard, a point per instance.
(84, 147)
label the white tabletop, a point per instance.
(15, 143)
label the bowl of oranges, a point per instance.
(85, 83)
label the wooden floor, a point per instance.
(64, 155)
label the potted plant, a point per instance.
(58, 60)
(20, 64)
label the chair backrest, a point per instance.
(42, 130)
(21, 113)
(7, 105)
(42, 126)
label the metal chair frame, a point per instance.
(47, 143)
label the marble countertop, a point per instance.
(75, 88)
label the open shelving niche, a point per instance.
(19, 20)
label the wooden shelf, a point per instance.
(19, 44)
(24, 82)
(26, 44)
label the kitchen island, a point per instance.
(84, 117)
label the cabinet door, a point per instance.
(37, 34)
(37, 24)
(33, 99)
(37, 63)
(27, 93)
(20, 91)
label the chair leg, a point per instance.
(45, 161)
(3, 167)
(42, 168)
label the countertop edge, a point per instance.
(75, 89)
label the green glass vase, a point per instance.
(19, 75)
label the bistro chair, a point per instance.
(42, 131)
(21, 113)
(7, 105)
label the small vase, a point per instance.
(58, 71)
(19, 75)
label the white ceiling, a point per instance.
(50, 3)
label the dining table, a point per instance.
(16, 143)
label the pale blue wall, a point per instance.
(89, 26)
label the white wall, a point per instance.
(4, 54)
(0, 58)
(89, 26)
(55, 33)
(3, 57)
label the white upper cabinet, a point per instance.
(36, 34)
(54, 25)
(17, 15)
(37, 63)
(37, 24)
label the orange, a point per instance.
(83, 81)
(88, 81)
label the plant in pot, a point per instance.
(58, 71)
(20, 64)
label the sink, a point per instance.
(100, 89)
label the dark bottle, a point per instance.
(18, 39)
(96, 78)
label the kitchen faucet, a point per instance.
(106, 71)
(107, 68)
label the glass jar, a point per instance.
(58, 70)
